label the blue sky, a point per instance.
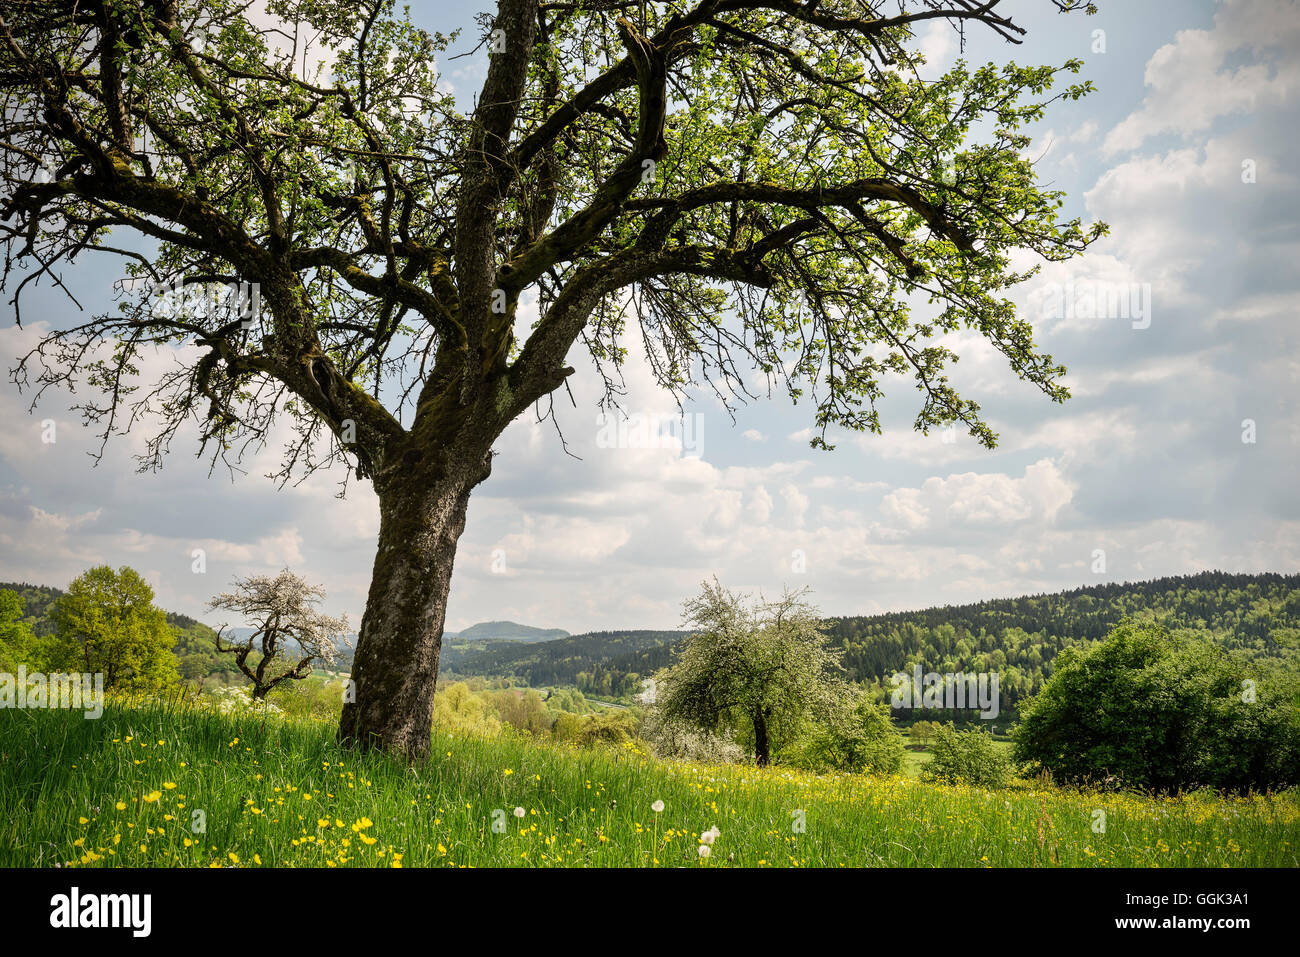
(1146, 463)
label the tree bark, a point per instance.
(760, 740)
(395, 668)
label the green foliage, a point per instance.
(18, 643)
(1149, 710)
(1019, 638)
(610, 726)
(605, 663)
(967, 757)
(35, 603)
(458, 710)
(521, 708)
(106, 622)
(921, 732)
(860, 738)
(762, 671)
(197, 661)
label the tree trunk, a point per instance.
(395, 668)
(760, 740)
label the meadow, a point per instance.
(170, 785)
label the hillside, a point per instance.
(1253, 615)
(506, 631)
(600, 662)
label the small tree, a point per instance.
(967, 757)
(761, 669)
(106, 623)
(283, 610)
(921, 732)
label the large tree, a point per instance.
(767, 182)
(107, 622)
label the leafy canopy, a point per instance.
(106, 622)
(1157, 711)
(729, 182)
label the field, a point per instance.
(131, 789)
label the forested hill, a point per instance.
(1019, 637)
(36, 603)
(599, 662)
(1016, 637)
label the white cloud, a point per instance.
(1191, 82)
(975, 499)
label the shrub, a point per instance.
(606, 727)
(1159, 712)
(966, 757)
(860, 739)
(675, 740)
(459, 710)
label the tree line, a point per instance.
(1018, 638)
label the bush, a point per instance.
(311, 698)
(522, 709)
(966, 757)
(1157, 712)
(676, 740)
(459, 710)
(612, 726)
(860, 739)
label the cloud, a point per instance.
(1145, 461)
(975, 499)
(1196, 79)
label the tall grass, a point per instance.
(123, 790)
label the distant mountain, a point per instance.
(506, 631)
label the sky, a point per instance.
(1177, 453)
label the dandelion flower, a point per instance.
(519, 812)
(657, 806)
(705, 851)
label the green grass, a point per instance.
(77, 792)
